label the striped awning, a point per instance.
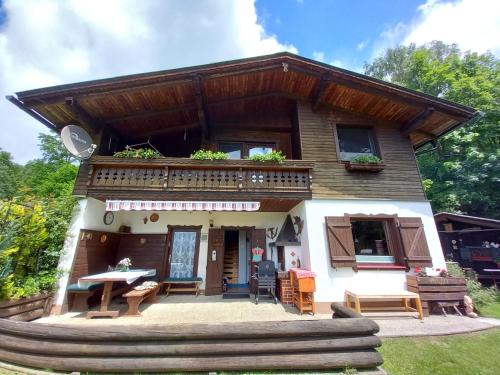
(119, 205)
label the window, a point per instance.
(355, 141)
(240, 150)
(370, 241)
(234, 150)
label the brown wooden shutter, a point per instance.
(415, 248)
(213, 282)
(340, 242)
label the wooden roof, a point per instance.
(473, 220)
(160, 102)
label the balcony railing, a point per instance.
(179, 175)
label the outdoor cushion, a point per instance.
(182, 279)
(86, 288)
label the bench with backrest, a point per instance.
(182, 284)
(136, 297)
(79, 295)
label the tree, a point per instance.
(462, 175)
(9, 176)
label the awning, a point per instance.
(119, 205)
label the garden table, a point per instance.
(108, 278)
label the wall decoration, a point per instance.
(142, 241)
(154, 217)
(108, 218)
(272, 233)
(299, 224)
(145, 219)
(103, 238)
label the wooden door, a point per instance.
(215, 265)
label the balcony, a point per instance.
(106, 177)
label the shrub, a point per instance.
(366, 159)
(139, 153)
(481, 296)
(209, 155)
(274, 157)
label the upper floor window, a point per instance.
(354, 141)
(240, 150)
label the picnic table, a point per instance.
(108, 278)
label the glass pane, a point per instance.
(234, 150)
(259, 150)
(183, 252)
(355, 141)
(369, 238)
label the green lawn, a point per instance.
(471, 354)
(492, 310)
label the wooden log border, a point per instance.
(282, 345)
(26, 309)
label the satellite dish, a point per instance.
(77, 141)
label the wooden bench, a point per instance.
(405, 296)
(79, 295)
(136, 297)
(173, 284)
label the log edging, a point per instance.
(292, 345)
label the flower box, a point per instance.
(364, 167)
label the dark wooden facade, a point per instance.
(289, 101)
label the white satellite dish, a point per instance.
(77, 141)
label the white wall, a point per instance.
(331, 283)
(88, 215)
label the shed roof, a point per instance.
(169, 100)
(473, 220)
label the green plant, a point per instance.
(366, 159)
(139, 153)
(275, 157)
(481, 296)
(209, 155)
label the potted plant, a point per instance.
(273, 157)
(137, 153)
(369, 163)
(209, 155)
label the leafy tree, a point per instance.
(462, 175)
(9, 176)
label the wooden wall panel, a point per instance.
(92, 255)
(399, 180)
(144, 250)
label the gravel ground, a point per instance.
(179, 309)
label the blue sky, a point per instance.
(50, 42)
(345, 31)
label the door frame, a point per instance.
(182, 228)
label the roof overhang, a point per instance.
(171, 100)
(466, 219)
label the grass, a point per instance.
(470, 354)
(492, 310)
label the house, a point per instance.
(355, 226)
(473, 242)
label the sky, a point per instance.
(50, 42)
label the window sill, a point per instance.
(364, 167)
(380, 266)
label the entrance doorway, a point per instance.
(228, 260)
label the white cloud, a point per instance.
(319, 56)
(471, 24)
(49, 42)
(362, 45)
(337, 63)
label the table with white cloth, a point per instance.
(108, 278)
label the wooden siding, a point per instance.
(399, 180)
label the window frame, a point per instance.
(371, 128)
(246, 145)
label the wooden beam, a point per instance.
(426, 134)
(200, 104)
(151, 113)
(406, 129)
(320, 91)
(163, 131)
(84, 118)
(252, 97)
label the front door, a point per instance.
(183, 259)
(215, 262)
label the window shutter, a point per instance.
(415, 248)
(340, 242)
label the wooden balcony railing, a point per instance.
(186, 175)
